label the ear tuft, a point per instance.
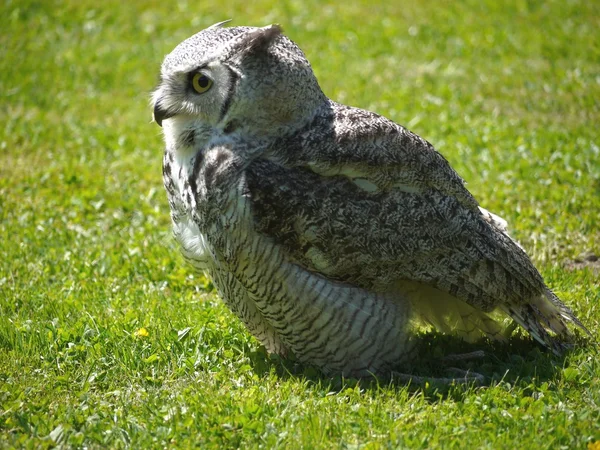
(257, 40)
(219, 24)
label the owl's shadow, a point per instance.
(519, 360)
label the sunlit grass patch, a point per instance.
(108, 340)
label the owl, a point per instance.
(332, 232)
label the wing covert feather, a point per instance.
(362, 145)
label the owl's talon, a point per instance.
(467, 377)
(449, 359)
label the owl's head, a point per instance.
(254, 81)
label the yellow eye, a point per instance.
(201, 83)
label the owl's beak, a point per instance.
(161, 114)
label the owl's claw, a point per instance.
(466, 377)
(448, 359)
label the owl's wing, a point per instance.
(361, 200)
(372, 151)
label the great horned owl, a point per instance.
(328, 230)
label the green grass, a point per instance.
(507, 91)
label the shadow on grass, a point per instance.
(518, 361)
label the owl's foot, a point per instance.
(466, 377)
(463, 376)
(450, 359)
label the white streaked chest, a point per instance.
(210, 212)
(193, 243)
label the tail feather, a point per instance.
(545, 317)
(544, 314)
(564, 311)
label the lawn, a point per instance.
(107, 339)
